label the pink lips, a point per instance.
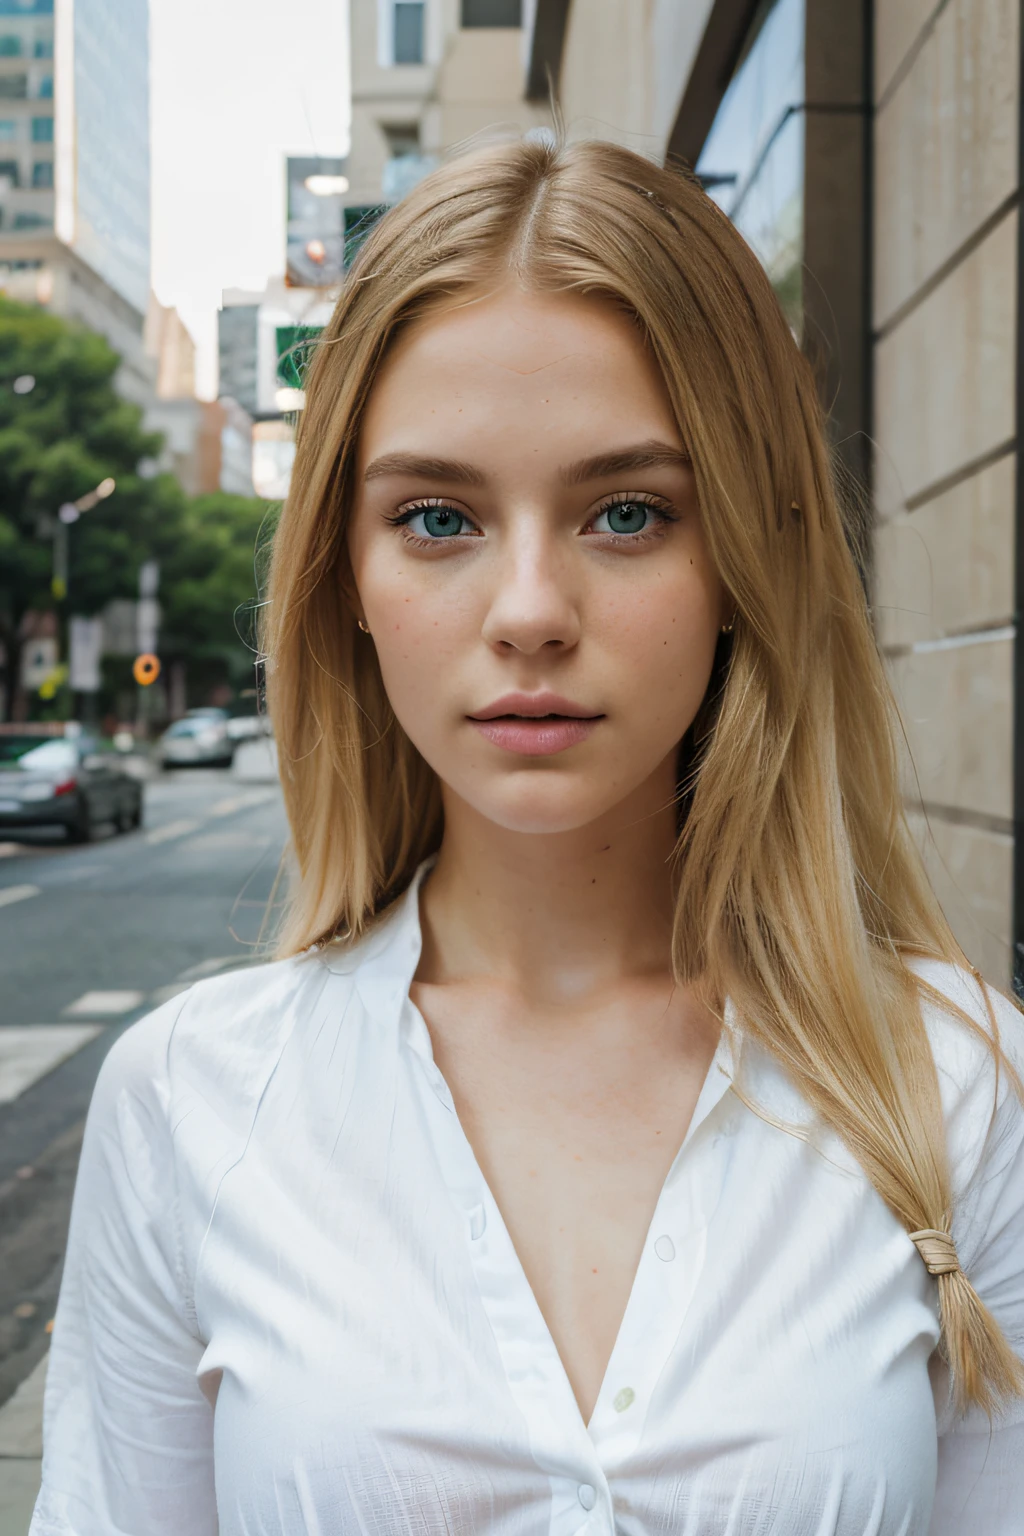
(534, 724)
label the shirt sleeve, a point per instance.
(980, 1483)
(128, 1434)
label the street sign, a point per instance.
(38, 659)
(85, 637)
(146, 669)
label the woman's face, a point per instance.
(528, 556)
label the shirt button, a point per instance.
(477, 1222)
(586, 1495)
(623, 1399)
(665, 1248)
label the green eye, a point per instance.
(438, 523)
(623, 517)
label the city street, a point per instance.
(91, 938)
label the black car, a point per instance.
(65, 781)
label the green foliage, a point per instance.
(57, 442)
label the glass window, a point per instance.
(10, 47)
(45, 87)
(32, 221)
(13, 87)
(46, 756)
(408, 47)
(492, 13)
(752, 162)
(42, 174)
(9, 172)
(8, 129)
(43, 48)
(42, 130)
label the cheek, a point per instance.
(660, 641)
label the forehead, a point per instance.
(536, 361)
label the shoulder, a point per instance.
(962, 1046)
(214, 1045)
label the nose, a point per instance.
(532, 603)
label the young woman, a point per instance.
(622, 1144)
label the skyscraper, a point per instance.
(74, 166)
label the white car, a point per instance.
(200, 738)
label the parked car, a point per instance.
(65, 781)
(248, 727)
(200, 737)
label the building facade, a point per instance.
(428, 75)
(870, 154)
(74, 167)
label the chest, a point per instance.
(386, 1367)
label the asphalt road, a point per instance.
(95, 936)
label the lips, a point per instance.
(534, 725)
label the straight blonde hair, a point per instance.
(799, 889)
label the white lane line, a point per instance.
(29, 1051)
(219, 842)
(172, 829)
(95, 1003)
(12, 893)
(241, 802)
(164, 994)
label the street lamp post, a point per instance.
(69, 513)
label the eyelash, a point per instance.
(661, 508)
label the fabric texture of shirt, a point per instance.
(278, 1213)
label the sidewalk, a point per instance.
(21, 1448)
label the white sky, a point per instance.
(236, 85)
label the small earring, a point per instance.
(727, 629)
(363, 626)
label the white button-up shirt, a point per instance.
(291, 1305)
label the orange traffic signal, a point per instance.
(146, 669)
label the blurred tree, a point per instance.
(209, 590)
(63, 429)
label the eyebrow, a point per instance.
(644, 456)
(424, 467)
(652, 455)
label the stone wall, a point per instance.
(944, 301)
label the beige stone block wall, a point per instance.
(898, 26)
(971, 871)
(956, 704)
(606, 85)
(945, 278)
(945, 145)
(945, 377)
(945, 569)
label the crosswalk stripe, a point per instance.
(29, 1051)
(170, 830)
(12, 893)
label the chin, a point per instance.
(540, 809)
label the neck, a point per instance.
(553, 914)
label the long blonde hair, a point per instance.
(799, 888)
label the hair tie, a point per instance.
(937, 1249)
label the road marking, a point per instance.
(241, 802)
(164, 994)
(12, 893)
(216, 842)
(172, 829)
(105, 1003)
(29, 1051)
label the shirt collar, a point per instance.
(384, 963)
